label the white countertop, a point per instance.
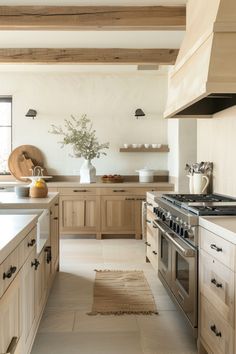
(223, 226)
(9, 200)
(13, 230)
(107, 185)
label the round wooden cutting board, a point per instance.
(22, 159)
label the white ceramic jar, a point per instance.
(146, 175)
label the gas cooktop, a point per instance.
(184, 199)
(203, 204)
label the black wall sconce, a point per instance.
(32, 113)
(139, 113)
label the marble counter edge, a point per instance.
(18, 237)
(210, 223)
(29, 203)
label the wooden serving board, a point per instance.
(22, 159)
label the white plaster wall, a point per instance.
(108, 99)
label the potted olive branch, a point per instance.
(79, 133)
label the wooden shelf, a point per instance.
(163, 148)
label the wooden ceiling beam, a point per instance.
(87, 56)
(92, 17)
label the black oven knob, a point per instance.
(171, 223)
(181, 231)
(163, 217)
(177, 228)
(155, 210)
(174, 226)
(186, 234)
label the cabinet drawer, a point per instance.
(124, 190)
(27, 245)
(214, 330)
(150, 217)
(152, 247)
(8, 270)
(217, 247)
(217, 285)
(77, 191)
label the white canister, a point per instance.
(146, 175)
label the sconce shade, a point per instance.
(31, 113)
(139, 113)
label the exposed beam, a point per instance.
(92, 17)
(87, 56)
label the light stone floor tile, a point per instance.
(67, 329)
(88, 343)
(99, 323)
(57, 321)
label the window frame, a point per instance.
(7, 99)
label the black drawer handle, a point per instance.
(148, 244)
(141, 199)
(56, 204)
(56, 218)
(80, 190)
(154, 252)
(218, 285)
(149, 204)
(9, 273)
(154, 226)
(148, 221)
(118, 190)
(213, 329)
(129, 198)
(31, 243)
(48, 251)
(12, 346)
(35, 264)
(217, 249)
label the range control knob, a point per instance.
(186, 235)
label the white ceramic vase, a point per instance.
(87, 172)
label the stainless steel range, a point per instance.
(177, 221)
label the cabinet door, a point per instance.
(40, 284)
(54, 237)
(79, 214)
(28, 300)
(118, 214)
(10, 316)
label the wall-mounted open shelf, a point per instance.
(163, 148)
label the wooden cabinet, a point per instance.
(10, 317)
(79, 214)
(104, 210)
(54, 238)
(152, 237)
(118, 214)
(217, 294)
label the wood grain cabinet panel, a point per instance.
(118, 214)
(217, 284)
(79, 214)
(217, 334)
(10, 316)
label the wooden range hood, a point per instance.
(203, 80)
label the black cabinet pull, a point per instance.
(80, 190)
(141, 199)
(35, 264)
(154, 252)
(56, 204)
(129, 198)
(154, 226)
(118, 190)
(48, 251)
(214, 329)
(148, 244)
(218, 285)
(149, 204)
(217, 249)
(56, 218)
(31, 243)
(12, 346)
(9, 273)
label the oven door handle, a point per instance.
(184, 249)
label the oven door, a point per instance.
(164, 257)
(184, 279)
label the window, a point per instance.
(5, 132)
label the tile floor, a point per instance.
(67, 329)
